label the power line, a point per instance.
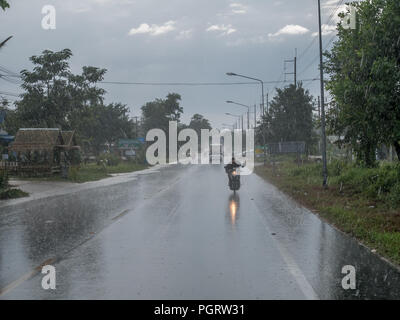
(317, 57)
(178, 83)
(308, 48)
(10, 80)
(315, 38)
(9, 94)
(190, 83)
(334, 11)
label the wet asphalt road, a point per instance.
(180, 233)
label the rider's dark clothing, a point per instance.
(230, 167)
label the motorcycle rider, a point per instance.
(230, 167)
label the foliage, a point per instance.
(290, 117)
(109, 159)
(94, 172)
(12, 194)
(158, 113)
(54, 97)
(4, 4)
(73, 173)
(364, 80)
(381, 183)
(3, 43)
(6, 192)
(3, 179)
(198, 122)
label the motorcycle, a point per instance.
(234, 181)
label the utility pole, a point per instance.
(319, 107)
(255, 116)
(321, 69)
(136, 126)
(294, 73)
(295, 69)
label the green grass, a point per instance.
(6, 192)
(10, 193)
(362, 202)
(92, 172)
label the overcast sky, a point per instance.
(174, 41)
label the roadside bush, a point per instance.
(394, 196)
(310, 170)
(378, 183)
(337, 167)
(109, 159)
(73, 173)
(75, 157)
(12, 194)
(3, 180)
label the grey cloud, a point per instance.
(97, 33)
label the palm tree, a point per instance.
(4, 4)
(3, 43)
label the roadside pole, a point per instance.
(323, 133)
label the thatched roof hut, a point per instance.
(37, 139)
(69, 139)
(43, 139)
(44, 150)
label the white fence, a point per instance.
(8, 165)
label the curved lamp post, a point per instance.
(232, 74)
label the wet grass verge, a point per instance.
(359, 201)
(6, 191)
(11, 193)
(92, 172)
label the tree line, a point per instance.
(364, 80)
(363, 71)
(290, 117)
(54, 97)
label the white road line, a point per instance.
(25, 277)
(293, 268)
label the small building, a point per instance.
(5, 138)
(127, 147)
(43, 150)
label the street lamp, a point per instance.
(248, 111)
(237, 116)
(231, 74)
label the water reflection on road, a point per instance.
(182, 234)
